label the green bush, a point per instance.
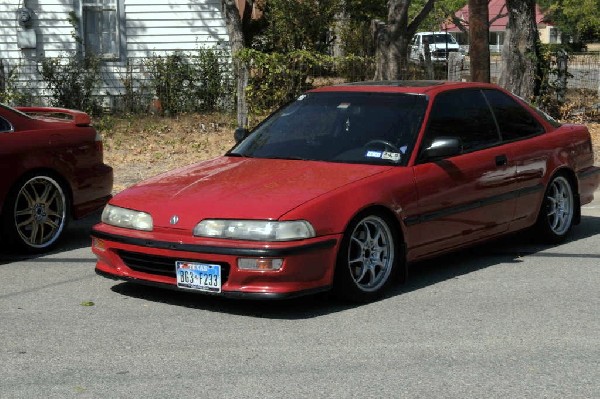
(188, 83)
(11, 92)
(73, 82)
(277, 78)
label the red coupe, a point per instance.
(345, 186)
(52, 169)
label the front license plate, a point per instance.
(198, 276)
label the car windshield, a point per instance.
(353, 127)
(441, 38)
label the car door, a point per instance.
(521, 132)
(464, 197)
(414, 48)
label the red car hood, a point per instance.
(238, 188)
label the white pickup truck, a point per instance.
(441, 44)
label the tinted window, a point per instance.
(340, 127)
(463, 114)
(515, 122)
(439, 38)
(4, 125)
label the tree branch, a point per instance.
(415, 23)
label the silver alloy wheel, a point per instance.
(561, 208)
(40, 212)
(371, 253)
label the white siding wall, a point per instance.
(150, 27)
(168, 25)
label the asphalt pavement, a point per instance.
(509, 319)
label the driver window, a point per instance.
(463, 114)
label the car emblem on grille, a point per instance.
(174, 219)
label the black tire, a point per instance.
(370, 257)
(558, 210)
(36, 213)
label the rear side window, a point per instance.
(514, 121)
(463, 114)
(5, 126)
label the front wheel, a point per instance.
(35, 213)
(558, 210)
(367, 259)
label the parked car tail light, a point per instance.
(98, 143)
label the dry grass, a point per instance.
(595, 132)
(141, 147)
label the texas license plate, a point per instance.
(198, 276)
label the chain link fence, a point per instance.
(204, 82)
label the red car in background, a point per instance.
(52, 169)
(346, 185)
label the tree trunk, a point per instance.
(520, 53)
(392, 39)
(479, 36)
(240, 69)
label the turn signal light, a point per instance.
(259, 264)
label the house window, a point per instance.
(101, 27)
(553, 35)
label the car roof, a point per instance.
(403, 86)
(432, 33)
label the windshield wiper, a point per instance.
(237, 155)
(294, 158)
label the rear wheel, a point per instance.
(367, 258)
(558, 210)
(35, 214)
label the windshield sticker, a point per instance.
(403, 149)
(302, 97)
(392, 156)
(373, 154)
(344, 106)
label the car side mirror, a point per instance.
(443, 147)
(240, 134)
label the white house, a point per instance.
(118, 31)
(498, 20)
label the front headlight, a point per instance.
(127, 218)
(255, 230)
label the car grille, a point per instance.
(161, 265)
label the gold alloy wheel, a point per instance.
(40, 212)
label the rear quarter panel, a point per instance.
(64, 149)
(566, 149)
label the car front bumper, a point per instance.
(149, 259)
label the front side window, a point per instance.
(462, 114)
(101, 28)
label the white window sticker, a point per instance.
(302, 97)
(392, 156)
(374, 154)
(344, 106)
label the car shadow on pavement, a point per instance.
(76, 236)
(423, 274)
